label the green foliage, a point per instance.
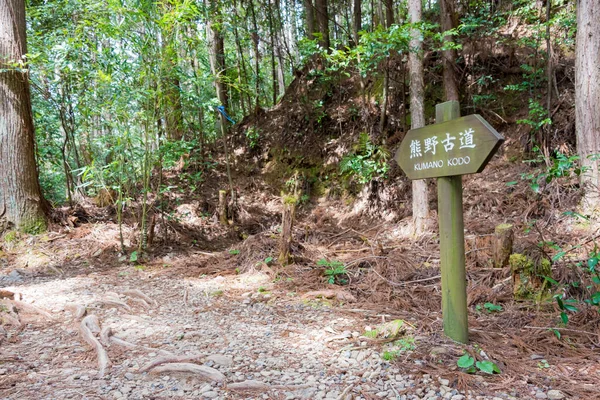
(468, 364)
(366, 162)
(560, 166)
(234, 252)
(253, 136)
(335, 271)
(490, 307)
(537, 118)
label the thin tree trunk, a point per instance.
(357, 20)
(389, 12)
(273, 69)
(417, 113)
(21, 201)
(323, 22)
(448, 22)
(255, 39)
(309, 14)
(587, 98)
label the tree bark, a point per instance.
(309, 15)
(255, 42)
(417, 113)
(357, 20)
(587, 98)
(21, 201)
(323, 22)
(389, 13)
(448, 22)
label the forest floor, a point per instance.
(251, 337)
(214, 319)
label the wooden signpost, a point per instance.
(447, 150)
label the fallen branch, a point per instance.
(89, 325)
(167, 360)
(198, 370)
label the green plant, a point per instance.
(366, 162)
(543, 364)
(253, 135)
(468, 364)
(234, 252)
(335, 271)
(490, 307)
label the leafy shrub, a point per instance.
(366, 163)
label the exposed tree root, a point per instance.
(115, 302)
(33, 309)
(105, 335)
(139, 294)
(249, 385)
(6, 294)
(197, 370)
(169, 359)
(141, 302)
(78, 310)
(88, 327)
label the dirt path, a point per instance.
(251, 343)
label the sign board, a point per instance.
(457, 147)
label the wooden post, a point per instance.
(287, 223)
(502, 245)
(222, 207)
(452, 243)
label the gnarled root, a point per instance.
(169, 359)
(88, 327)
(201, 371)
(140, 295)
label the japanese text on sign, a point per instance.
(430, 144)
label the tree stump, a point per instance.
(222, 207)
(502, 245)
(287, 223)
(528, 276)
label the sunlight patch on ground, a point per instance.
(57, 294)
(249, 281)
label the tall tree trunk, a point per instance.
(214, 26)
(417, 112)
(357, 20)
(448, 22)
(309, 15)
(255, 40)
(21, 201)
(389, 12)
(587, 98)
(272, 36)
(172, 108)
(242, 77)
(323, 21)
(389, 21)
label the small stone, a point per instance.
(541, 395)
(444, 382)
(555, 395)
(3, 371)
(458, 397)
(219, 359)
(129, 376)
(211, 395)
